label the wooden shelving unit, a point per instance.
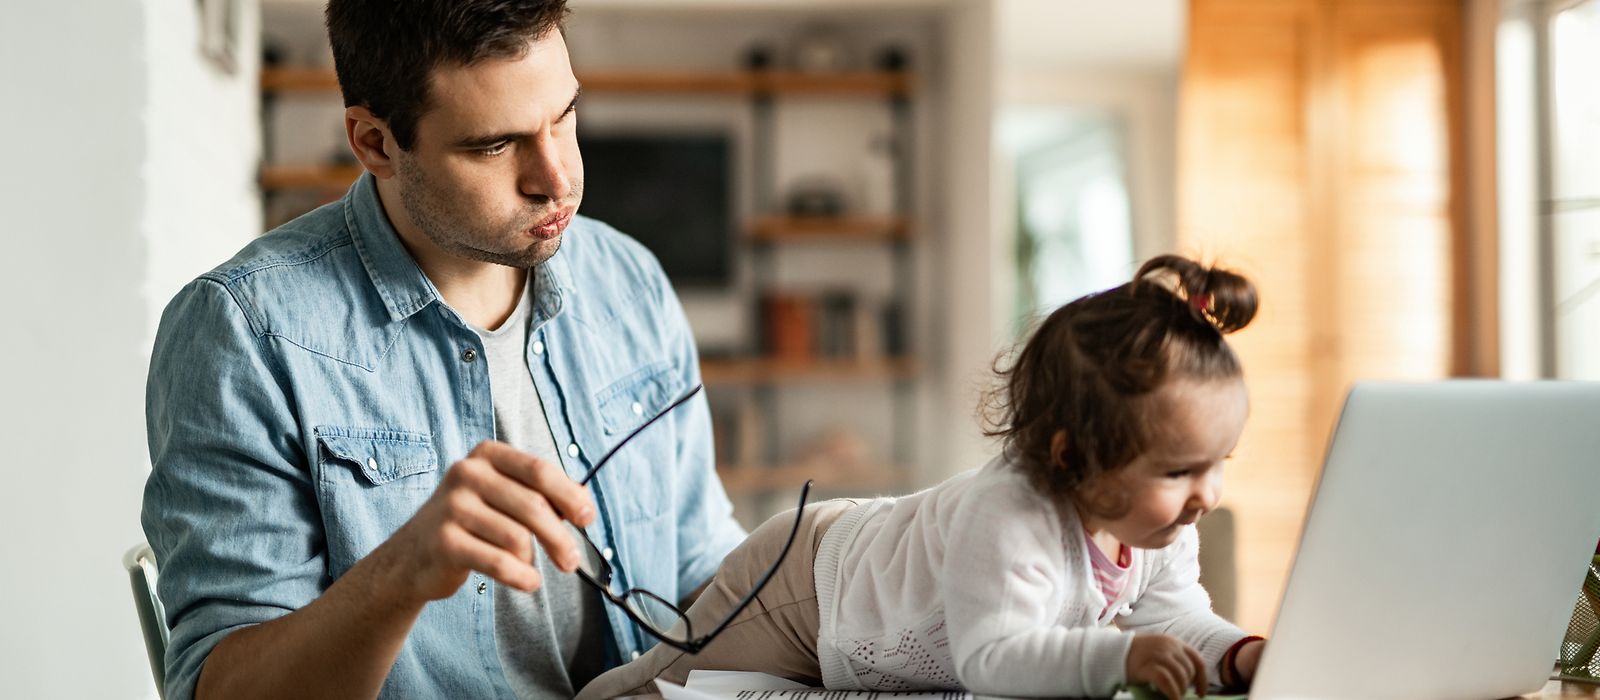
(286, 80)
(815, 229)
(280, 178)
(736, 372)
(276, 80)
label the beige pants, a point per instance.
(776, 633)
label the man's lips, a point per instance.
(551, 226)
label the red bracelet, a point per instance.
(1230, 657)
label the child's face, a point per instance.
(1179, 478)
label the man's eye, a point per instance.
(495, 150)
(1178, 474)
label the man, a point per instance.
(306, 396)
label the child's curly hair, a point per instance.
(1091, 367)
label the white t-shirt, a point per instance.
(552, 641)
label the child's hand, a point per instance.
(1168, 665)
(1246, 658)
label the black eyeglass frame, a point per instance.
(690, 644)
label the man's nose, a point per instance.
(544, 175)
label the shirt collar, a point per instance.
(398, 279)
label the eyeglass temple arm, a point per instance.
(805, 491)
(597, 465)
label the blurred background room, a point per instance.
(862, 204)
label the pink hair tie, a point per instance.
(1201, 302)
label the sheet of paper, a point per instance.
(746, 685)
(720, 682)
(673, 691)
(734, 685)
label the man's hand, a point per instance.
(480, 518)
(1166, 664)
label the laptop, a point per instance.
(1445, 545)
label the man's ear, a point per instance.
(371, 141)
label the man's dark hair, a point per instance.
(385, 50)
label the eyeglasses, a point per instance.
(661, 618)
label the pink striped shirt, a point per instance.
(1109, 575)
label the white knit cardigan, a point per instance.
(980, 583)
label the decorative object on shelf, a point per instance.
(836, 452)
(758, 57)
(875, 171)
(815, 195)
(273, 53)
(789, 331)
(892, 58)
(821, 48)
(836, 324)
(894, 330)
(831, 325)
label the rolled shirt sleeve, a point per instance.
(229, 509)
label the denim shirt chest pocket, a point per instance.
(625, 405)
(370, 482)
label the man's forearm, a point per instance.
(341, 645)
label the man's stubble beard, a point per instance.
(451, 230)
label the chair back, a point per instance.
(1219, 570)
(141, 565)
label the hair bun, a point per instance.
(1221, 298)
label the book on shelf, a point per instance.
(787, 331)
(833, 324)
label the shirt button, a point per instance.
(482, 586)
(572, 450)
(635, 655)
(538, 347)
(469, 355)
(607, 553)
(372, 463)
(638, 408)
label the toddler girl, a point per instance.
(1066, 566)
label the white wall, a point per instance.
(203, 149)
(973, 305)
(83, 191)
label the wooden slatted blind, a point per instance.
(1319, 153)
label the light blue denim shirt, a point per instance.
(307, 396)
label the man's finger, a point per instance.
(533, 511)
(469, 552)
(492, 526)
(565, 495)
